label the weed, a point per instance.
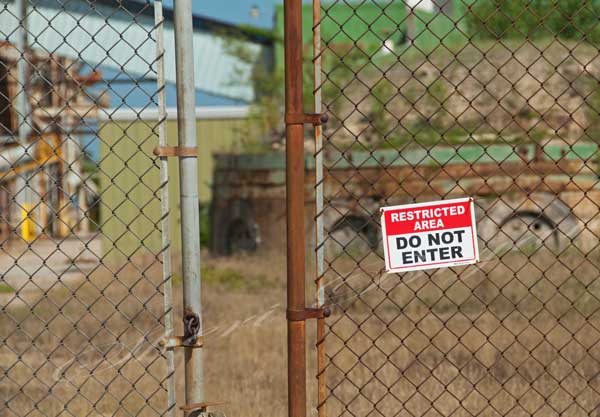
(232, 279)
(6, 289)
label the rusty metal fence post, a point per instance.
(295, 119)
(294, 107)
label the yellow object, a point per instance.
(27, 223)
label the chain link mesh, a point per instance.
(81, 283)
(432, 100)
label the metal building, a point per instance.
(119, 55)
(43, 189)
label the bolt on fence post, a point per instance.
(188, 182)
(294, 105)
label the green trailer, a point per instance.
(544, 192)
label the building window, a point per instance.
(6, 113)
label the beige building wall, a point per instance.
(130, 177)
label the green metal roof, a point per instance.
(437, 155)
(367, 24)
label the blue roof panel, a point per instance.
(106, 36)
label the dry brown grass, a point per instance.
(245, 341)
(518, 335)
(84, 346)
(515, 337)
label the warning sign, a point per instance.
(429, 235)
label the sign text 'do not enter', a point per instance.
(429, 235)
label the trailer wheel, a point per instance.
(530, 228)
(242, 236)
(354, 233)
(526, 221)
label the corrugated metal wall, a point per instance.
(123, 168)
(85, 31)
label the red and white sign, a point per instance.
(429, 235)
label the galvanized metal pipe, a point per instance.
(320, 234)
(294, 105)
(164, 204)
(188, 174)
(22, 106)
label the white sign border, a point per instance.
(396, 270)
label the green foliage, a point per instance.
(265, 123)
(232, 279)
(339, 76)
(6, 289)
(381, 119)
(266, 109)
(204, 225)
(248, 30)
(350, 61)
(437, 95)
(596, 161)
(567, 19)
(591, 87)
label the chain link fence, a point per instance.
(82, 276)
(432, 100)
(427, 100)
